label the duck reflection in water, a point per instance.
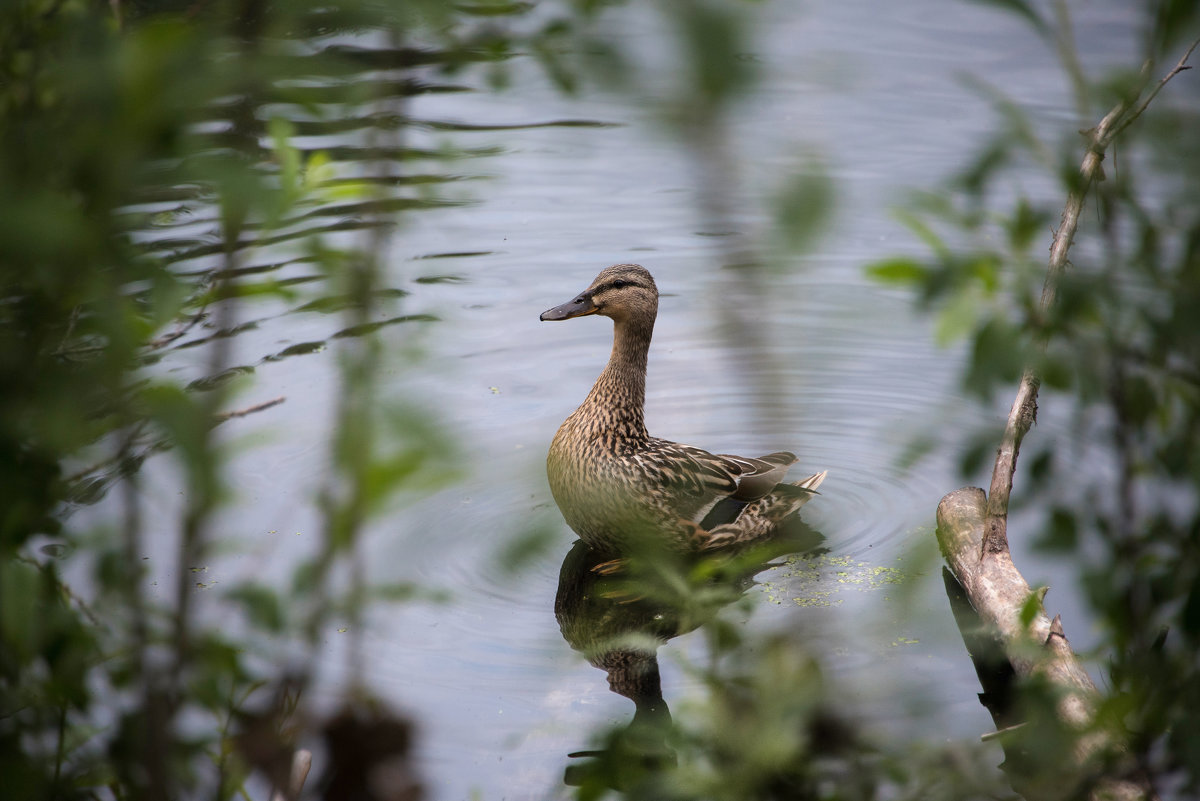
(617, 613)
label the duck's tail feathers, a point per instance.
(812, 482)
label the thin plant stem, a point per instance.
(1068, 54)
(1179, 67)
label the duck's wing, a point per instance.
(685, 471)
(694, 480)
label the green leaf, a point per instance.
(957, 318)
(803, 207)
(1056, 371)
(997, 356)
(262, 606)
(22, 636)
(899, 271)
(985, 268)
(1026, 225)
(182, 419)
(713, 36)
(1062, 534)
(924, 232)
(1032, 606)
(288, 157)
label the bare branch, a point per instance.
(1033, 647)
(1179, 67)
(1023, 413)
(972, 532)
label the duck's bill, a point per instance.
(572, 308)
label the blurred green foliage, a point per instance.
(147, 162)
(1117, 351)
(126, 127)
(764, 720)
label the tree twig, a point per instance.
(972, 531)
(1024, 409)
(1179, 67)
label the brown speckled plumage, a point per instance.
(614, 482)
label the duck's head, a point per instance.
(622, 292)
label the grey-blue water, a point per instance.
(849, 373)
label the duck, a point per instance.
(617, 486)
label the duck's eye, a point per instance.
(620, 283)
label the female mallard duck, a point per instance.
(614, 482)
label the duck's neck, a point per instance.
(619, 394)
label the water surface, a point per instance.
(848, 372)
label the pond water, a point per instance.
(843, 372)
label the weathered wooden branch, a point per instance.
(999, 593)
(301, 764)
(1039, 649)
(972, 532)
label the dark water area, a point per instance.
(505, 204)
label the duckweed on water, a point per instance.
(815, 581)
